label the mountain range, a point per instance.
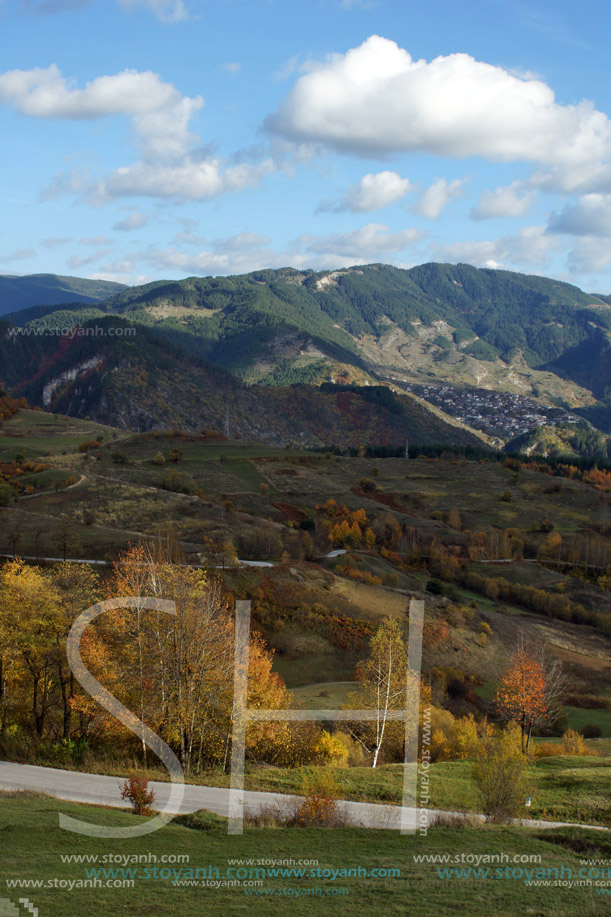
(21, 292)
(271, 334)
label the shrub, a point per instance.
(119, 458)
(573, 743)
(136, 791)
(331, 750)
(178, 482)
(159, 459)
(548, 750)
(591, 731)
(498, 774)
(319, 808)
(87, 445)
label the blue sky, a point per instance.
(146, 139)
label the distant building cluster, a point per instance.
(496, 413)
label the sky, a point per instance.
(151, 139)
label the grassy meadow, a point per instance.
(38, 849)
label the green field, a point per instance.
(578, 718)
(34, 846)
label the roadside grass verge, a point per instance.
(36, 847)
(562, 788)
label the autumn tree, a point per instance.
(181, 673)
(29, 629)
(77, 587)
(530, 691)
(383, 683)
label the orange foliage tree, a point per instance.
(529, 691)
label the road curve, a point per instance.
(97, 789)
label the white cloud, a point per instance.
(188, 179)
(247, 251)
(160, 113)
(364, 244)
(232, 67)
(164, 10)
(376, 100)
(169, 166)
(372, 192)
(508, 201)
(531, 247)
(591, 216)
(436, 197)
(135, 220)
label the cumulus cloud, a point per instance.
(168, 167)
(189, 179)
(372, 192)
(164, 10)
(508, 201)
(247, 251)
(531, 247)
(159, 112)
(135, 220)
(364, 244)
(590, 216)
(436, 197)
(233, 255)
(376, 100)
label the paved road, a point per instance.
(101, 790)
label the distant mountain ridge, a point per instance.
(126, 376)
(368, 324)
(22, 292)
(437, 321)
